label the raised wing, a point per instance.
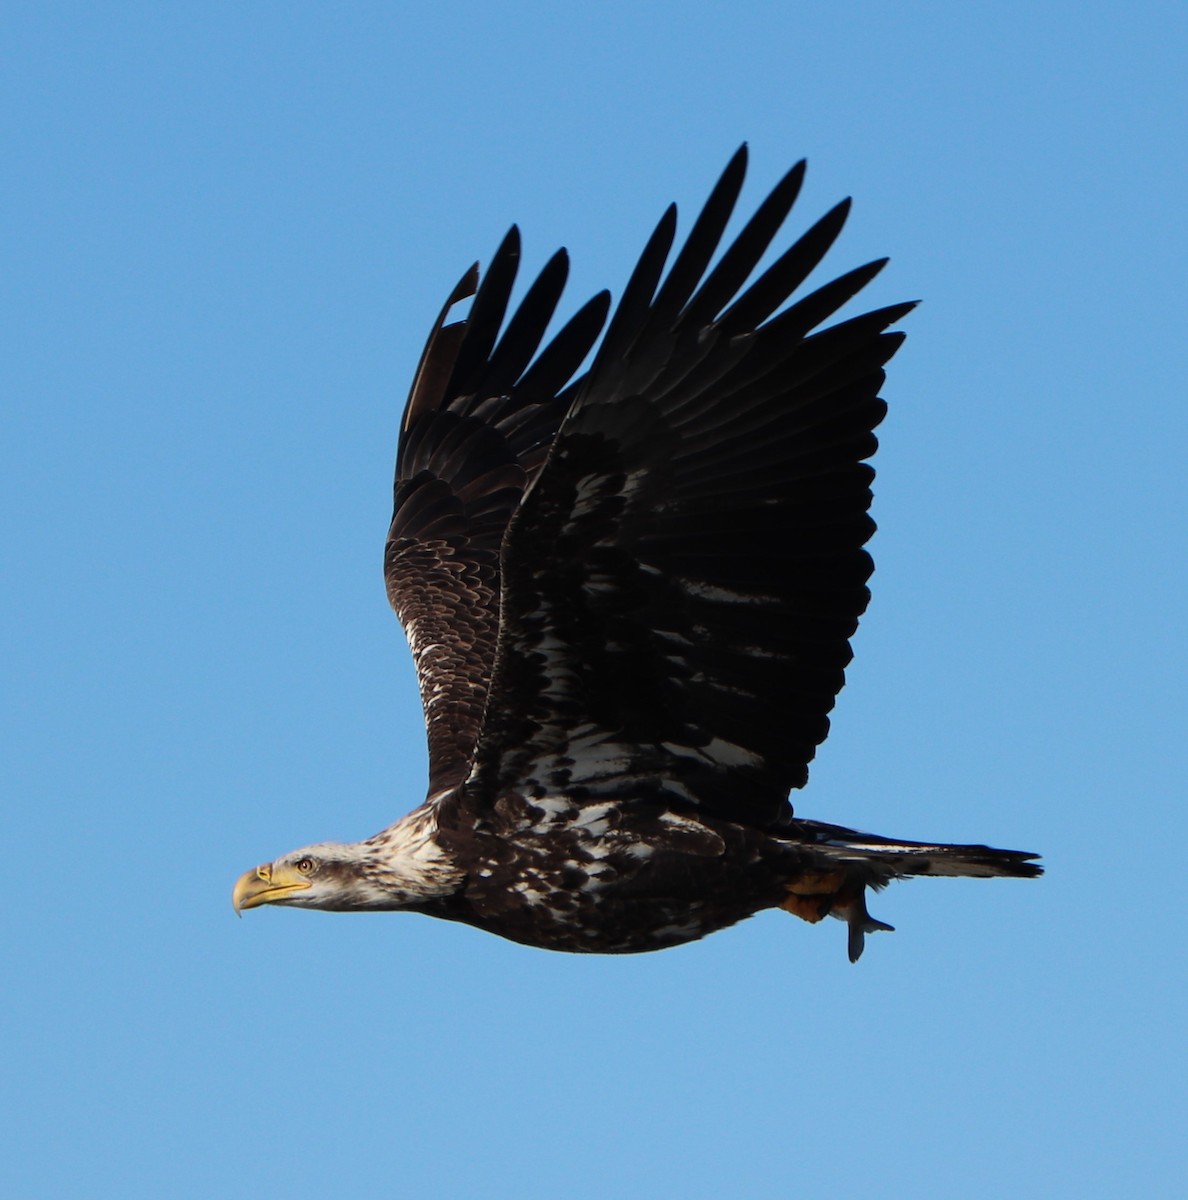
(480, 418)
(682, 580)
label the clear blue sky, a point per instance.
(226, 229)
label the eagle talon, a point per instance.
(860, 922)
(806, 900)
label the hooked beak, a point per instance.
(266, 885)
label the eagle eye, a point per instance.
(304, 865)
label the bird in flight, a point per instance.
(629, 593)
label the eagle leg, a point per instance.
(817, 894)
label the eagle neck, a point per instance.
(407, 861)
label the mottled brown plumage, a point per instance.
(629, 596)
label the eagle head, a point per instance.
(397, 868)
(328, 876)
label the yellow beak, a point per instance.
(266, 885)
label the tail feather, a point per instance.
(886, 859)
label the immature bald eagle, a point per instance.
(629, 595)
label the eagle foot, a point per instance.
(817, 894)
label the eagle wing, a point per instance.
(681, 580)
(481, 415)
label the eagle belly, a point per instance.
(613, 879)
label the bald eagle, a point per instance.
(629, 595)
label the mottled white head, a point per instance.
(397, 868)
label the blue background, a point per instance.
(226, 230)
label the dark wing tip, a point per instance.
(466, 286)
(441, 349)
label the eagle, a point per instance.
(629, 592)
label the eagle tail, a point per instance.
(853, 861)
(886, 858)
